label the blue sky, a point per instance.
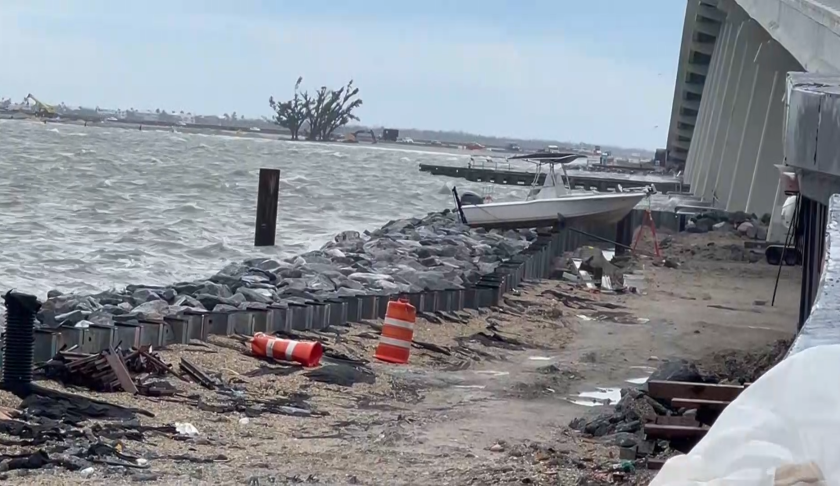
(599, 71)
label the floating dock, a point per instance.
(598, 181)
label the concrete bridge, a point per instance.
(758, 86)
(727, 120)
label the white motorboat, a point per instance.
(550, 203)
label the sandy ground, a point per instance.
(486, 414)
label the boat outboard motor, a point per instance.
(471, 198)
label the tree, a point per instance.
(233, 116)
(329, 110)
(157, 110)
(290, 114)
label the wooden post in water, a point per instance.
(269, 191)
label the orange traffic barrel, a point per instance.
(307, 353)
(397, 332)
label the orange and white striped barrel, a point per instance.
(307, 353)
(397, 332)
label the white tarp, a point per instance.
(783, 430)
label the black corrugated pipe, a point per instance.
(19, 345)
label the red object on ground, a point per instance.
(307, 353)
(397, 333)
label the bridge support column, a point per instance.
(712, 94)
(701, 127)
(753, 36)
(765, 87)
(727, 50)
(707, 189)
(762, 195)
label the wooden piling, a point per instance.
(267, 197)
(624, 234)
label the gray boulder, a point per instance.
(153, 310)
(70, 318)
(677, 370)
(209, 301)
(140, 296)
(254, 295)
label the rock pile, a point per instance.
(436, 252)
(746, 224)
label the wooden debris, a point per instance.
(694, 403)
(671, 432)
(198, 375)
(432, 347)
(668, 390)
(109, 370)
(122, 376)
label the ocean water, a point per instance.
(91, 208)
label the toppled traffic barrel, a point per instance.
(19, 345)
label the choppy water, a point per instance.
(85, 209)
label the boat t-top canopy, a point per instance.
(549, 157)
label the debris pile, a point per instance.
(747, 225)
(110, 370)
(669, 417)
(53, 430)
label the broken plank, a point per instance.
(123, 377)
(716, 405)
(432, 347)
(671, 432)
(655, 464)
(677, 420)
(196, 373)
(668, 390)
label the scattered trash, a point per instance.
(87, 472)
(186, 429)
(497, 448)
(244, 421)
(540, 358)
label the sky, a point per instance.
(596, 71)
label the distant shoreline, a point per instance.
(271, 134)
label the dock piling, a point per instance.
(267, 198)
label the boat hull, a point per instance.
(590, 209)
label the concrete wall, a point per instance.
(737, 139)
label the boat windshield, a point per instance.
(553, 185)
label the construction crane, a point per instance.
(42, 110)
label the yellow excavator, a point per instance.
(353, 137)
(42, 110)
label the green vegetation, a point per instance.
(321, 113)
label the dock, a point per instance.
(598, 181)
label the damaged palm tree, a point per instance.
(323, 112)
(290, 114)
(329, 110)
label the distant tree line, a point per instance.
(318, 115)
